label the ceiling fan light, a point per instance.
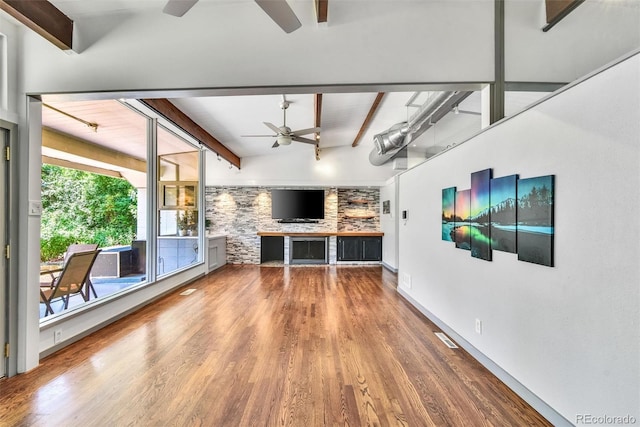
(284, 140)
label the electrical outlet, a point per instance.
(57, 336)
(479, 326)
(406, 280)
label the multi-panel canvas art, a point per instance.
(503, 213)
(535, 220)
(461, 232)
(479, 219)
(448, 213)
(506, 214)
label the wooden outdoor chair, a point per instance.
(72, 280)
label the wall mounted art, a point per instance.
(448, 213)
(479, 219)
(503, 213)
(386, 207)
(535, 220)
(461, 229)
(506, 214)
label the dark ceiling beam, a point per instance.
(43, 18)
(322, 8)
(367, 120)
(557, 10)
(496, 109)
(172, 113)
(317, 107)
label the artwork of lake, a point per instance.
(535, 220)
(448, 212)
(507, 214)
(480, 215)
(461, 233)
(503, 213)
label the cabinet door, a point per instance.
(349, 249)
(371, 248)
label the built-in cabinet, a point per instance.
(359, 248)
(216, 255)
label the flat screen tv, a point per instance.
(297, 204)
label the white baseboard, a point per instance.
(527, 395)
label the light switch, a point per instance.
(35, 208)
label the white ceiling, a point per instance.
(229, 117)
(229, 114)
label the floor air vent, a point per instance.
(446, 340)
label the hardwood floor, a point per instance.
(270, 346)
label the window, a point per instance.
(178, 222)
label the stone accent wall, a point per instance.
(240, 212)
(358, 209)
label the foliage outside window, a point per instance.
(82, 207)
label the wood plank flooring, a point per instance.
(266, 346)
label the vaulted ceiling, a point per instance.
(348, 115)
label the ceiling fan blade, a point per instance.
(178, 7)
(301, 139)
(281, 13)
(275, 145)
(273, 127)
(259, 136)
(306, 131)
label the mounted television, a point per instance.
(298, 205)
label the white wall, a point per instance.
(296, 165)
(9, 70)
(389, 224)
(569, 334)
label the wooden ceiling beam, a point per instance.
(172, 113)
(557, 10)
(79, 147)
(367, 120)
(43, 18)
(317, 106)
(322, 9)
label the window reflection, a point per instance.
(178, 223)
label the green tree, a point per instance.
(81, 207)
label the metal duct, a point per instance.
(387, 144)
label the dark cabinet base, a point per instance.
(359, 248)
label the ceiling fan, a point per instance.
(284, 135)
(278, 10)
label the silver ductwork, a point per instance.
(389, 143)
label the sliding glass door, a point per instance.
(178, 202)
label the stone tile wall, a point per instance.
(240, 212)
(358, 209)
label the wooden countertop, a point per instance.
(322, 233)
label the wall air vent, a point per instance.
(446, 340)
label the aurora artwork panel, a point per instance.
(535, 220)
(503, 214)
(480, 215)
(448, 213)
(461, 232)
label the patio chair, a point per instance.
(73, 278)
(82, 247)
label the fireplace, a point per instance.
(308, 250)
